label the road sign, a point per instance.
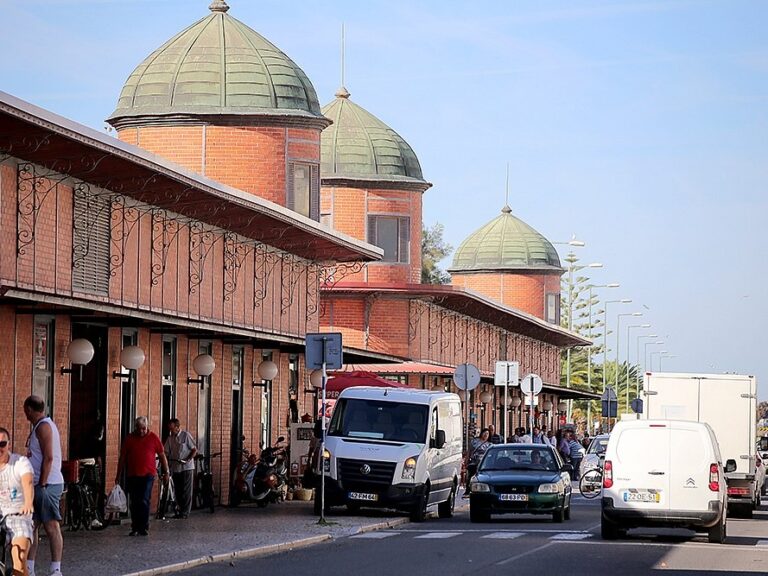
(531, 384)
(637, 405)
(531, 399)
(507, 373)
(466, 376)
(323, 347)
(609, 403)
(609, 394)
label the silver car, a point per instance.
(595, 453)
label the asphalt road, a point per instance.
(519, 544)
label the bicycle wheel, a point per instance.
(591, 483)
(75, 506)
(207, 495)
(92, 519)
(164, 501)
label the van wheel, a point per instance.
(717, 533)
(567, 512)
(419, 512)
(608, 530)
(445, 509)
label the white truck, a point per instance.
(727, 402)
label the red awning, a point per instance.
(344, 380)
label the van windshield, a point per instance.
(377, 420)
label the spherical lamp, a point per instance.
(486, 397)
(80, 351)
(316, 378)
(132, 357)
(562, 406)
(204, 364)
(516, 401)
(267, 370)
(547, 405)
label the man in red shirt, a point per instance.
(137, 457)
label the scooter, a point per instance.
(261, 480)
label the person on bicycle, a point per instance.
(16, 501)
(180, 449)
(137, 457)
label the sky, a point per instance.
(638, 127)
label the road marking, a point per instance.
(762, 543)
(503, 535)
(526, 531)
(439, 535)
(518, 556)
(699, 545)
(376, 535)
(570, 536)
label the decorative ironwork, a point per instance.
(335, 273)
(313, 289)
(34, 185)
(289, 275)
(126, 212)
(165, 230)
(202, 237)
(445, 334)
(263, 265)
(81, 168)
(370, 300)
(417, 309)
(90, 207)
(236, 250)
(26, 145)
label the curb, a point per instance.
(262, 550)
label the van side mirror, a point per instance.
(730, 465)
(439, 440)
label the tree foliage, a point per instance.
(434, 249)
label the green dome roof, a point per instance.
(217, 66)
(506, 243)
(359, 146)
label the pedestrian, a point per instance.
(137, 458)
(525, 437)
(551, 438)
(17, 493)
(476, 452)
(577, 453)
(563, 446)
(180, 450)
(586, 440)
(44, 453)
(493, 437)
(538, 436)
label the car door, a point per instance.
(641, 468)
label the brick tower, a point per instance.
(371, 190)
(221, 100)
(512, 263)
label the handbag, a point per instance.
(116, 502)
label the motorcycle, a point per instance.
(263, 479)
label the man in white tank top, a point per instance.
(44, 452)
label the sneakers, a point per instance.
(55, 573)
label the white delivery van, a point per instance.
(728, 403)
(665, 473)
(394, 448)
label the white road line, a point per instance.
(503, 535)
(518, 556)
(375, 535)
(699, 545)
(526, 531)
(762, 543)
(570, 536)
(439, 535)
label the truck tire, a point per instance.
(717, 534)
(445, 509)
(419, 511)
(609, 530)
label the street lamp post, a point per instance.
(637, 384)
(589, 350)
(618, 331)
(656, 352)
(662, 356)
(605, 332)
(629, 329)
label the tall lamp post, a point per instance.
(637, 384)
(662, 356)
(605, 331)
(629, 329)
(618, 331)
(646, 367)
(589, 349)
(656, 352)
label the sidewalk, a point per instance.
(228, 534)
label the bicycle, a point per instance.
(591, 483)
(166, 501)
(82, 499)
(204, 495)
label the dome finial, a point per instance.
(342, 92)
(218, 6)
(506, 209)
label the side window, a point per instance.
(304, 189)
(393, 235)
(553, 309)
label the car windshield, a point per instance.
(377, 420)
(598, 445)
(500, 459)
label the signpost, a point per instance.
(531, 386)
(323, 351)
(466, 377)
(637, 405)
(609, 404)
(507, 374)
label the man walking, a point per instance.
(44, 452)
(180, 449)
(137, 457)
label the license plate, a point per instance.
(642, 496)
(363, 496)
(513, 497)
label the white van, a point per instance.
(394, 448)
(664, 473)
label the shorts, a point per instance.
(48, 503)
(18, 527)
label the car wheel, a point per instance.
(419, 512)
(558, 515)
(608, 530)
(717, 533)
(478, 515)
(445, 509)
(567, 513)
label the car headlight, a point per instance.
(409, 468)
(479, 487)
(327, 461)
(553, 488)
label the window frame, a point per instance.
(403, 239)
